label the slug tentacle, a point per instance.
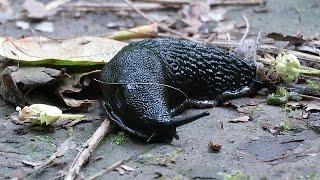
(176, 122)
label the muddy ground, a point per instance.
(246, 147)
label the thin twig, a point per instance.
(164, 27)
(107, 170)
(247, 28)
(86, 151)
(63, 148)
(211, 2)
(309, 97)
(265, 48)
(209, 38)
(82, 6)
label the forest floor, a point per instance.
(254, 149)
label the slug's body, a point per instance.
(150, 81)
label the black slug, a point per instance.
(149, 82)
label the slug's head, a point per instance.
(142, 110)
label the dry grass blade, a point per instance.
(64, 147)
(86, 151)
(147, 31)
(247, 28)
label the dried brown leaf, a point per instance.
(217, 14)
(6, 12)
(292, 39)
(23, 25)
(241, 102)
(127, 168)
(241, 119)
(225, 27)
(35, 9)
(81, 90)
(214, 147)
(38, 10)
(45, 27)
(9, 89)
(313, 106)
(193, 13)
(124, 169)
(294, 104)
(20, 85)
(80, 51)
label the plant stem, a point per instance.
(73, 116)
(309, 71)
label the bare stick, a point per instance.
(107, 170)
(153, 21)
(308, 97)
(86, 151)
(247, 28)
(264, 48)
(211, 2)
(82, 6)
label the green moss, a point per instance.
(119, 138)
(313, 84)
(313, 176)
(282, 96)
(236, 176)
(286, 109)
(45, 138)
(162, 159)
(278, 98)
(167, 158)
(146, 158)
(286, 125)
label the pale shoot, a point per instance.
(44, 114)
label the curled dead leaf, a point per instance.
(80, 91)
(24, 85)
(313, 106)
(214, 147)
